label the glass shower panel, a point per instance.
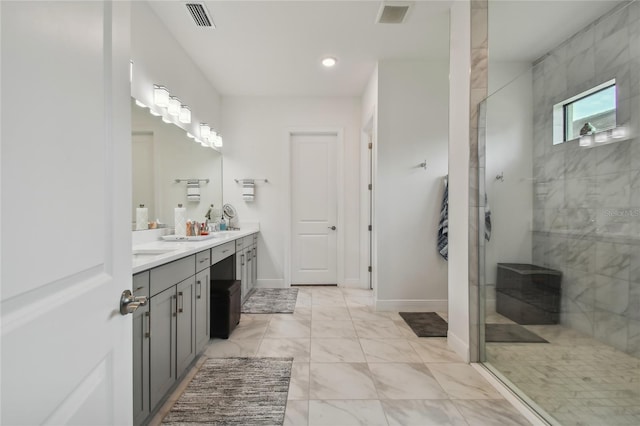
(560, 266)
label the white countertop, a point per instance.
(180, 249)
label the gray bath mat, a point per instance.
(510, 333)
(271, 301)
(425, 324)
(235, 391)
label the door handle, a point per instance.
(333, 228)
(181, 296)
(148, 332)
(199, 284)
(129, 303)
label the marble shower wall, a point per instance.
(587, 200)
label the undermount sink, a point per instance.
(146, 253)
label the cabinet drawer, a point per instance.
(141, 284)
(255, 238)
(222, 252)
(167, 275)
(239, 244)
(248, 241)
(203, 260)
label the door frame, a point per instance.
(338, 132)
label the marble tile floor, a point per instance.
(355, 366)
(575, 378)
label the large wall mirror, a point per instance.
(162, 153)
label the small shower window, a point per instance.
(591, 111)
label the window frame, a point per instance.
(560, 112)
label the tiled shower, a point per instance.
(574, 208)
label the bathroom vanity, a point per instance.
(173, 328)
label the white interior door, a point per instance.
(66, 195)
(314, 209)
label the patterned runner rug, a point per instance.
(271, 301)
(235, 391)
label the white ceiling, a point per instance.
(273, 48)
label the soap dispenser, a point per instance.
(223, 224)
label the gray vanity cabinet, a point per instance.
(202, 303)
(185, 329)
(141, 336)
(162, 365)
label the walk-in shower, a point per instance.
(560, 270)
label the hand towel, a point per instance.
(248, 190)
(193, 190)
(443, 225)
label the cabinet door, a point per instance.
(248, 254)
(254, 278)
(185, 329)
(141, 325)
(202, 307)
(162, 347)
(241, 273)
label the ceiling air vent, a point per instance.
(200, 14)
(393, 12)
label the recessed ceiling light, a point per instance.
(329, 61)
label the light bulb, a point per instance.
(140, 104)
(601, 137)
(329, 61)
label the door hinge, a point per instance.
(370, 145)
(370, 187)
(369, 227)
(369, 268)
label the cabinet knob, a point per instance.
(333, 228)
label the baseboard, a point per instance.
(270, 283)
(458, 345)
(412, 305)
(354, 283)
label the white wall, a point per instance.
(412, 128)
(509, 150)
(255, 132)
(159, 59)
(459, 96)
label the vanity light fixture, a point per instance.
(190, 136)
(619, 132)
(160, 95)
(154, 113)
(166, 119)
(217, 140)
(174, 106)
(140, 104)
(601, 137)
(585, 140)
(205, 130)
(185, 114)
(329, 61)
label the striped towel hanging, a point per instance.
(487, 219)
(443, 225)
(193, 190)
(248, 190)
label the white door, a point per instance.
(66, 195)
(314, 209)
